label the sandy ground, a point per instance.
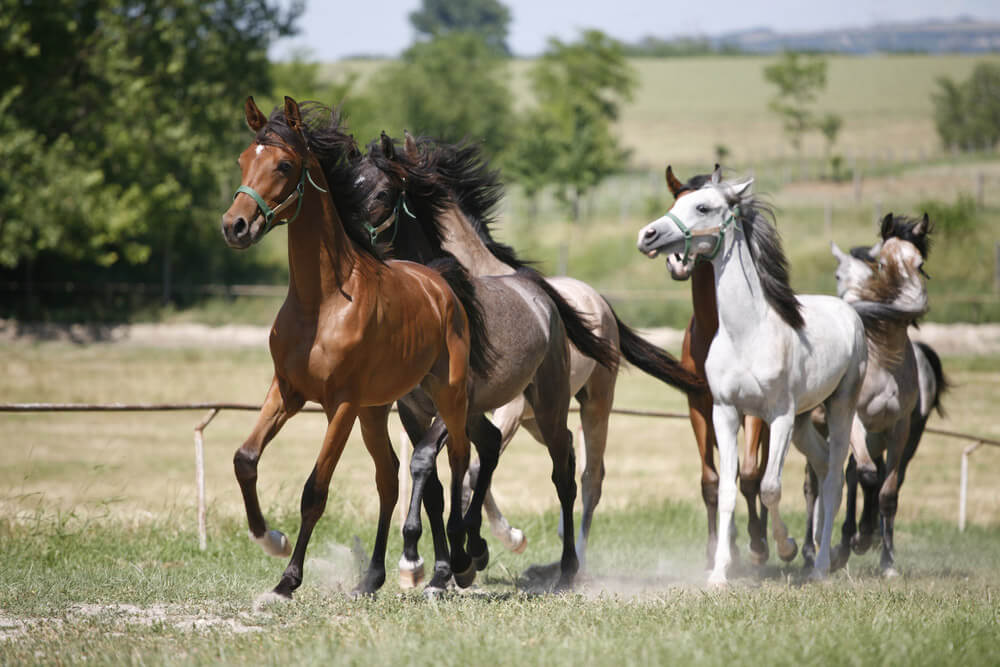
(948, 339)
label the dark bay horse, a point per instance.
(697, 340)
(469, 190)
(354, 333)
(530, 327)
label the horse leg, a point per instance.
(888, 497)
(840, 411)
(434, 505)
(770, 486)
(423, 467)
(809, 489)
(700, 411)
(507, 419)
(869, 480)
(595, 410)
(315, 492)
(850, 527)
(276, 410)
(375, 433)
(727, 423)
(816, 449)
(487, 439)
(751, 470)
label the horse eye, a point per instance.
(284, 166)
(701, 208)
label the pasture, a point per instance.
(101, 561)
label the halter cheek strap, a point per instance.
(373, 232)
(269, 213)
(689, 234)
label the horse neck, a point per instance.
(462, 240)
(706, 314)
(321, 257)
(740, 298)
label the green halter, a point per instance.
(373, 232)
(689, 235)
(269, 213)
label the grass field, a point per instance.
(100, 560)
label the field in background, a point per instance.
(101, 562)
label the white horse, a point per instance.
(774, 356)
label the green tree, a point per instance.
(967, 114)
(452, 87)
(568, 140)
(488, 18)
(799, 80)
(120, 116)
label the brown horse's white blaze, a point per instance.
(353, 335)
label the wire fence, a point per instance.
(214, 408)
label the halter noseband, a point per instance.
(271, 213)
(734, 213)
(374, 231)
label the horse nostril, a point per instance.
(650, 233)
(240, 227)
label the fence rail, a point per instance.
(214, 408)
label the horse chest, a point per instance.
(745, 381)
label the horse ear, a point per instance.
(742, 187)
(837, 252)
(921, 227)
(673, 183)
(875, 250)
(886, 228)
(410, 145)
(388, 149)
(255, 119)
(292, 114)
(717, 174)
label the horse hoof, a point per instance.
(411, 573)
(717, 579)
(817, 574)
(890, 572)
(789, 552)
(518, 541)
(465, 579)
(481, 560)
(758, 558)
(432, 592)
(274, 543)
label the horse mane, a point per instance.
(337, 153)
(756, 219)
(862, 252)
(901, 227)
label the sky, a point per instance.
(331, 30)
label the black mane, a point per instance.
(337, 153)
(768, 257)
(901, 227)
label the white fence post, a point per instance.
(199, 475)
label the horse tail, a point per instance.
(941, 380)
(653, 361)
(482, 354)
(582, 336)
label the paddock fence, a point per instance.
(213, 409)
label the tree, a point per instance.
(120, 115)
(568, 139)
(453, 87)
(487, 18)
(967, 114)
(799, 80)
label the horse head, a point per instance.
(680, 269)
(695, 225)
(274, 170)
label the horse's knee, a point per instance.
(770, 493)
(867, 476)
(749, 486)
(245, 465)
(710, 492)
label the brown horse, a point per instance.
(697, 340)
(354, 333)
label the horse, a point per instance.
(530, 327)
(354, 332)
(903, 384)
(697, 339)
(469, 190)
(775, 355)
